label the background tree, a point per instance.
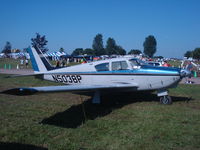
(7, 48)
(113, 48)
(17, 51)
(135, 52)
(78, 51)
(150, 46)
(98, 45)
(40, 42)
(61, 50)
(188, 54)
(89, 51)
(120, 50)
(196, 53)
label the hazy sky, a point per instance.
(74, 23)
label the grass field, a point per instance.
(134, 121)
(10, 63)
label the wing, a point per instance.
(45, 89)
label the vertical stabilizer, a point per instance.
(38, 60)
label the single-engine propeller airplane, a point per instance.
(111, 75)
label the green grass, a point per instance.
(134, 121)
(5, 63)
(175, 63)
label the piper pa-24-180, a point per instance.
(111, 75)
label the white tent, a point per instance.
(56, 55)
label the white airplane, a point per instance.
(111, 75)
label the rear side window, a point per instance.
(102, 67)
(119, 65)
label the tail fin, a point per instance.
(38, 60)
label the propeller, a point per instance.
(185, 73)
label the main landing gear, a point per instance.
(164, 97)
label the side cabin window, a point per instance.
(102, 67)
(119, 65)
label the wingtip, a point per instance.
(7, 77)
(20, 91)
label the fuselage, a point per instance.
(112, 75)
(118, 70)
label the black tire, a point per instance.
(166, 100)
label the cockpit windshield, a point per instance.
(137, 62)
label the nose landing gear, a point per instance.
(164, 97)
(165, 100)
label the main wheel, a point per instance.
(166, 100)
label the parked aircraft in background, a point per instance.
(154, 63)
(111, 75)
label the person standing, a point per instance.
(57, 64)
(165, 64)
(21, 63)
(189, 67)
(26, 63)
(63, 62)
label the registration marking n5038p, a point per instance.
(67, 78)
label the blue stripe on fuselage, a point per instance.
(162, 71)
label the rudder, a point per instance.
(38, 60)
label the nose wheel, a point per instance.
(165, 100)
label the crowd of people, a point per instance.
(24, 63)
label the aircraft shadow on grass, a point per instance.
(74, 116)
(19, 146)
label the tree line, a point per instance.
(98, 48)
(193, 54)
(111, 48)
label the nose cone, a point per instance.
(185, 73)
